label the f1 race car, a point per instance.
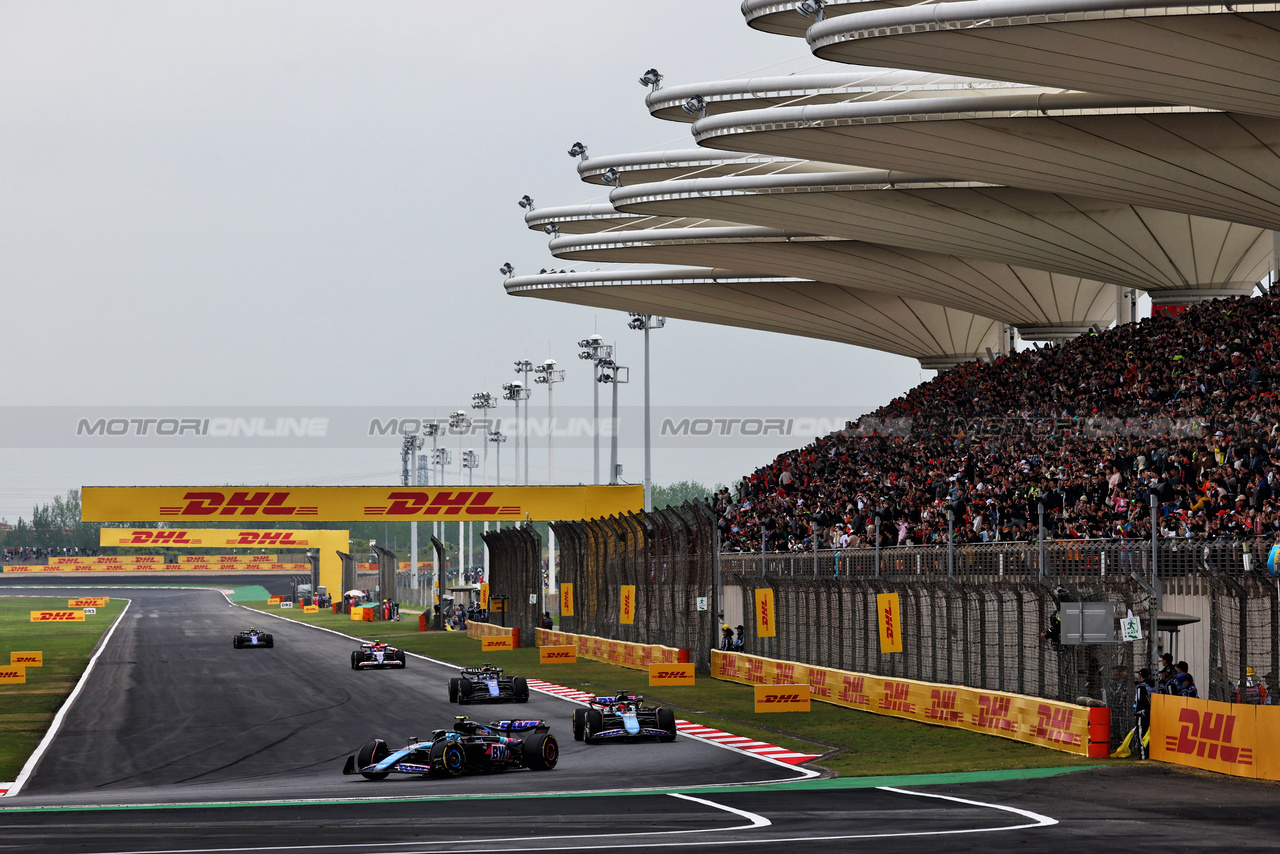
(253, 637)
(376, 654)
(469, 746)
(486, 684)
(623, 717)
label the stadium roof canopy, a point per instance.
(1044, 306)
(1186, 256)
(675, 163)
(1219, 56)
(603, 216)
(781, 18)
(1217, 165)
(938, 337)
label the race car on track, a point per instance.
(376, 654)
(486, 684)
(253, 637)
(623, 717)
(469, 746)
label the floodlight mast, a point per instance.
(548, 375)
(613, 373)
(594, 349)
(646, 322)
(484, 401)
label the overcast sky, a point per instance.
(306, 204)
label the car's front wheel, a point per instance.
(579, 721)
(593, 723)
(520, 687)
(667, 721)
(371, 753)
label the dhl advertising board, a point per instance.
(89, 602)
(347, 503)
(782, 698)
(218, 559)
(671, 674)
(218, 538)
(57, 616)
(1231, 738)
(494, 643)
(1061, 726)
(627, 605)
(104, 560)
(557, 655)
(638, 656)
(13, 675)
(566, 599)
(766, 614)
(31, 658)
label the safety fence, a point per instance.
(665, 559)
(515, 578)
(1244, 633)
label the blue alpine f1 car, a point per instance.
(623, 717)
(469, 746)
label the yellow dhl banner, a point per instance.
(1230, 738)
(422, 564)
(13, 675)
(216, 538)
(566, 654)
(347, 503)
(484, 595)
(275, 600)
(104, 560)
(57, 616)
(671, 674)
(627, 605)
(27, 659)
(1061, 726)
(765, 615)
(311, 609)
(216, 559)
(637, 656)
(566, 600)
(88, 602)
(782, 698)
(90, 567)
(493, 643)
(890, 619)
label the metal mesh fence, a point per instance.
(667, 555)
(515, 579)
(1245, 632)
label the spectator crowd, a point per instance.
(1183, 408)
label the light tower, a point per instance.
(549, 376)
(647, 322)
(597, 351)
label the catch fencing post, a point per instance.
(1040, 507)
(877, 545)
(951, 543)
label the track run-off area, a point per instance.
(174, 741)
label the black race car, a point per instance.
(376, 654)
(623, 717)
(253, 637)
(486, 684)
(469, 746)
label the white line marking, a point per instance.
(35, 757)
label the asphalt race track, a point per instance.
(181, 743)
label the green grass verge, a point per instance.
(855, 743)
(27, 710)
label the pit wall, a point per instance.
(637, 656)
(477, 630)
(1059, 726)
(1230, 738)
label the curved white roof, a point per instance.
(939, 337)
(754, 93)
(603, 216)
(781, 18)
(1218, 165)
(1040, 304)
(1110, 241)
(644, 166)
(1216, 56)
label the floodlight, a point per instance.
(526, 202)
(506, 269)
(812, 9)
(612, 177)
(578, 150)
(695, 106)
(552, 229)
(652, 79)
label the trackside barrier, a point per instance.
(637, 656)
(1060, 726)
(1230, 738)
(477, 630)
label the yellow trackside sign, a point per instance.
(766, 617)
(557, 655)
(627, 605)
(13, 675)
(186, 504)
(275, 600)
(566, 600)
(493, 643)
(670, 674)
(57, 616)
(27, 659)
(890, 618)
(484, 595)
(89, 602)
(782, 698)
(310, 609)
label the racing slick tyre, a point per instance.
(235, 642)
(464, 691)
(448, 758)
(271, 641)
(372, 753)
(521, 689)
(355, 661)
(667, 721)
(579, 721)
(453, 690)
(400, 658)
(541, 752)
(592, 724)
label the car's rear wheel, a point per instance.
(579, 721)
(355, 661)
(464, 691)
(593, 723)
(371, 753)
(541, 752)
(520, 688)
(453, 690)
(667, 721)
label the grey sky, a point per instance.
(282, 204)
